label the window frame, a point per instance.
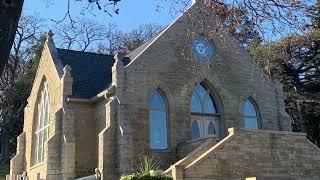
(42, 125)
(166, 120)
(203, 118)
(257, 112)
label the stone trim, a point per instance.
(239, 130)
(158, 36)
(102, 95)
(214, 148)
(54, 53)
(17, 163)
(187, 161)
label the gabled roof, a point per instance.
(135, 53)
(91, 72)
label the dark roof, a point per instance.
(91, 72)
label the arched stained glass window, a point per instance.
(195, 130)
(211, 129)
(201, 101)
(203, 112)
(250, 115)
(43, 121)
(158, 121)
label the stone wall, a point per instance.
(168, 65)
(58, 148)
(107, 145)
(46, 72)
(17, 164)
(85, 139)
(256, 153)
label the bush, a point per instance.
(149, 170)
(4, 170)
(145, 177)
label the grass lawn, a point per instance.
(3, 171)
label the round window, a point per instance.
(202, 48)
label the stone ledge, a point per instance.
(239, 130)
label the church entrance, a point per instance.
(204, 117)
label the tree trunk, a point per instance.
(10, 11)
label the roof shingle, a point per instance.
(91, 72)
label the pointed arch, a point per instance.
(205, 116)
(42, 122)
(195, 129)
(202, 101)
(211, 128)
(158, 121)
(251, 114)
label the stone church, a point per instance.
(190, 97)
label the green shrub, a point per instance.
(145, 177)
(149, 170)
(4, 170)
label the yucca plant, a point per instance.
(149, 166)
(149, 170)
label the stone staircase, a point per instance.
(247, 153)
(193, 155)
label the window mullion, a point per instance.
(42, 131)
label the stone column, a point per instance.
(125, 153)
(107, 148)
(53, 148)
(177, 172)
(67, 129)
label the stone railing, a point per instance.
(260, 154)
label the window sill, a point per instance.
(160, 150)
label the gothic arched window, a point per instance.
(158, 112)
(250, 115)
(203, 113)
(211, 129)
(195, 130)
(42, 126)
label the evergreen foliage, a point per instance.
(149, 170)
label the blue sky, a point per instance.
(132, 14)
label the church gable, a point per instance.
(49, 69)
(189, 26)
(173, 48)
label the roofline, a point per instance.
(85, 52)
(159, 35)
(102, 95)
(55, 56)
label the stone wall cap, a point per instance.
(238, 130)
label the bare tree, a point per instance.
(24, 47)
(140, 35)
(111, 42)
(118, 41)
(268, 17)
(80, 34)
